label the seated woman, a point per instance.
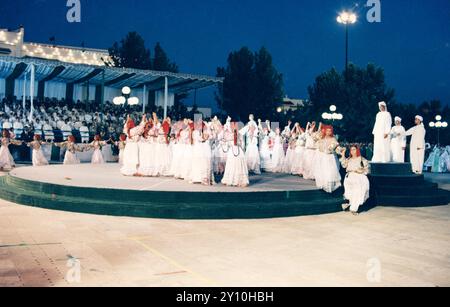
(356, 184)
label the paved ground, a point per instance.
(108, 176)
(383, 247)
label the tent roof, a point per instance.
(50, 70)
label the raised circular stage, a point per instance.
(101, 189)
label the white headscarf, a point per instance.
(397, 119)
(419, 118)
(382, 103)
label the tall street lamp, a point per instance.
(125, 98)
(438, 124)
(333, 115)
(346, 18)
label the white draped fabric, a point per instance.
(381, 131)
(55, 90)
(111, 92)
(159, 99)
(18, 88)
(80, 92)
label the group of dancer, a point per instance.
(200, 151)
(196, 151)
(7, 162)
(189, 150)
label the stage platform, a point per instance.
(101, 189)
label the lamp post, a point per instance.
(333, 115)
(125, 98)
(438, 124)
(346, 18)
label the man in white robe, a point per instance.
(398, 141)
(381, 131)
(417, 147)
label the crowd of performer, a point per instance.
(200, 151)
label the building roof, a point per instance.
(12, 43)
(53, 70)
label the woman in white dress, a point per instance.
(445, 160)
(398, 141)
(219, 147)
(297, 160)
(236, 171)
(201, 171)
(121, 145)
(434, 160)
(290, 153)
(277, 157)
(264, 148)
(147, 150)
(186, 139)
(131, 151)
(38, 157)
(309, 156)
(252, 151)
(177, 150)
(356, 184)
(6, 160)
(97, 145)
(72, 148)
(220, 152)
(162, 153)
(326, 172)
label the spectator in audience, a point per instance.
(84, 133)
(66, 129)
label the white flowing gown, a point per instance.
(381, 145)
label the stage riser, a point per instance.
(394, 184)
(394, 169)
(397, 180)
(174, 210)
(407, 190)
(163, 197)
(423, 201)
(400, 191)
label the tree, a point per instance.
(267, 85)
(131, 52)
(428, 110)
(251, 85)
(161, 61)
(356, 97)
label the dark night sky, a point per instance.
(412, 42)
